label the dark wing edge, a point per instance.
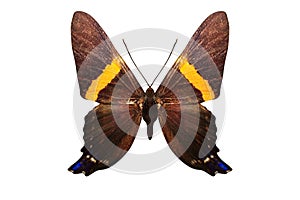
(109, 132)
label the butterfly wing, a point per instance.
(196, 76)
(103, 76)
(190, 131)
(109, 132)
(201, 64)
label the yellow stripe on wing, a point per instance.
(108, 74)
(191, 74)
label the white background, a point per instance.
(260, 138)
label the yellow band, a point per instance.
(108, 74)
(191, 74)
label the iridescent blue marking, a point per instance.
(223, 166)
(77, 166)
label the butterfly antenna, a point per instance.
(134, 63)
(165, 63)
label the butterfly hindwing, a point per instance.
(109, 132)
(190, 131)
(102, 73)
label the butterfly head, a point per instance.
(150, 92)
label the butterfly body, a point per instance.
(150, 111)
(188, 127)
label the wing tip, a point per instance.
(78, 14)
(218, 18)
(221, 13)
(80, 17)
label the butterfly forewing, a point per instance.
(201, 64)
(99, 66)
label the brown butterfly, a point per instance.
(189, 128)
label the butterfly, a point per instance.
(188, 127)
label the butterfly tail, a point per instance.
(87, 164)
(212, 164)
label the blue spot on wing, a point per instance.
(223, 166)
(76, 166)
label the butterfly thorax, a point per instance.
(150, 111)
